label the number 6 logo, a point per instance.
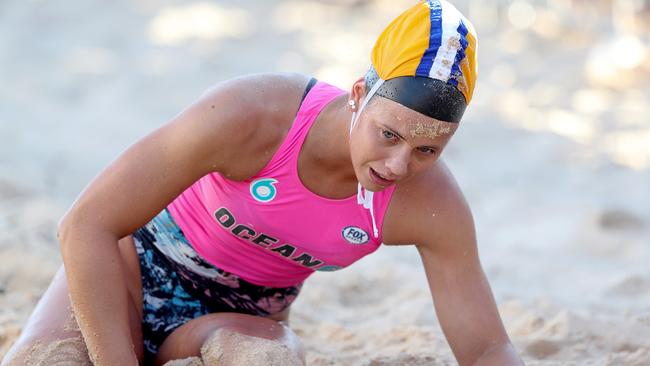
(263, 190)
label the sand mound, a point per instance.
(405, 359)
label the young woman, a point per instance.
(215, 220)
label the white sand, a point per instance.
(553, 155)
(64, 352)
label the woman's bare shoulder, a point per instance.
(426, 206)
(271, 94)
(254, 101)
(247, 118)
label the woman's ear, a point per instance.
(358, 92)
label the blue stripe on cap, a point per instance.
(435, 39)
(460, 55)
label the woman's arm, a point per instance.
(465, 305)
(434, 215)
(223, 132)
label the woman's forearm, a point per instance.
(98, 293)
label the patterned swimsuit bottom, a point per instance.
(178, 285)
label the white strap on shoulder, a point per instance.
(365, 197)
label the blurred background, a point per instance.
(553, 156)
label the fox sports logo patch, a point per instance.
(355, 235)
(263, 190)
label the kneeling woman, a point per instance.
(215, 220)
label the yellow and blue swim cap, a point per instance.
(426, 60)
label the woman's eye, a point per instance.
(427, 150)
(387, 134)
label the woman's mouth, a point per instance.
(379, 179)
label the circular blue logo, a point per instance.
(263, 190)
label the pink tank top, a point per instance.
(270, 229)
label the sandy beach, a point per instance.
(553, 156)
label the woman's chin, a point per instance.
(373, 187)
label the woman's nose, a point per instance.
(397, 164)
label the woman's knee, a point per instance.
(232, 339)
(52, 332)
(230, 347)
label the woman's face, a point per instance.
(391, 143)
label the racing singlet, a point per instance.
(270, 229)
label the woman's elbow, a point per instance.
(71, 228)
(63, 231)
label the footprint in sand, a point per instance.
(614, 219)
(543, 348)
(406, 359)
(631, 286)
